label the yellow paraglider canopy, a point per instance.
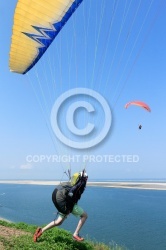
(36, 24)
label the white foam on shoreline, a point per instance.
(3, 219)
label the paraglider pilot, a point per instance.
(65, 198)
(140, 126)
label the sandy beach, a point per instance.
(133, 185)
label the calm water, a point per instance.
(133, 218)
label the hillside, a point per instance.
(16, 236)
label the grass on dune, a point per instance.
(56, 238)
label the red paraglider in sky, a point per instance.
(138, 103)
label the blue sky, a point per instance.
(116, 49)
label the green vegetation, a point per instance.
(55, 238)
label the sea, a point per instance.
(132, 218)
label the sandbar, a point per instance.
(108, 184)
